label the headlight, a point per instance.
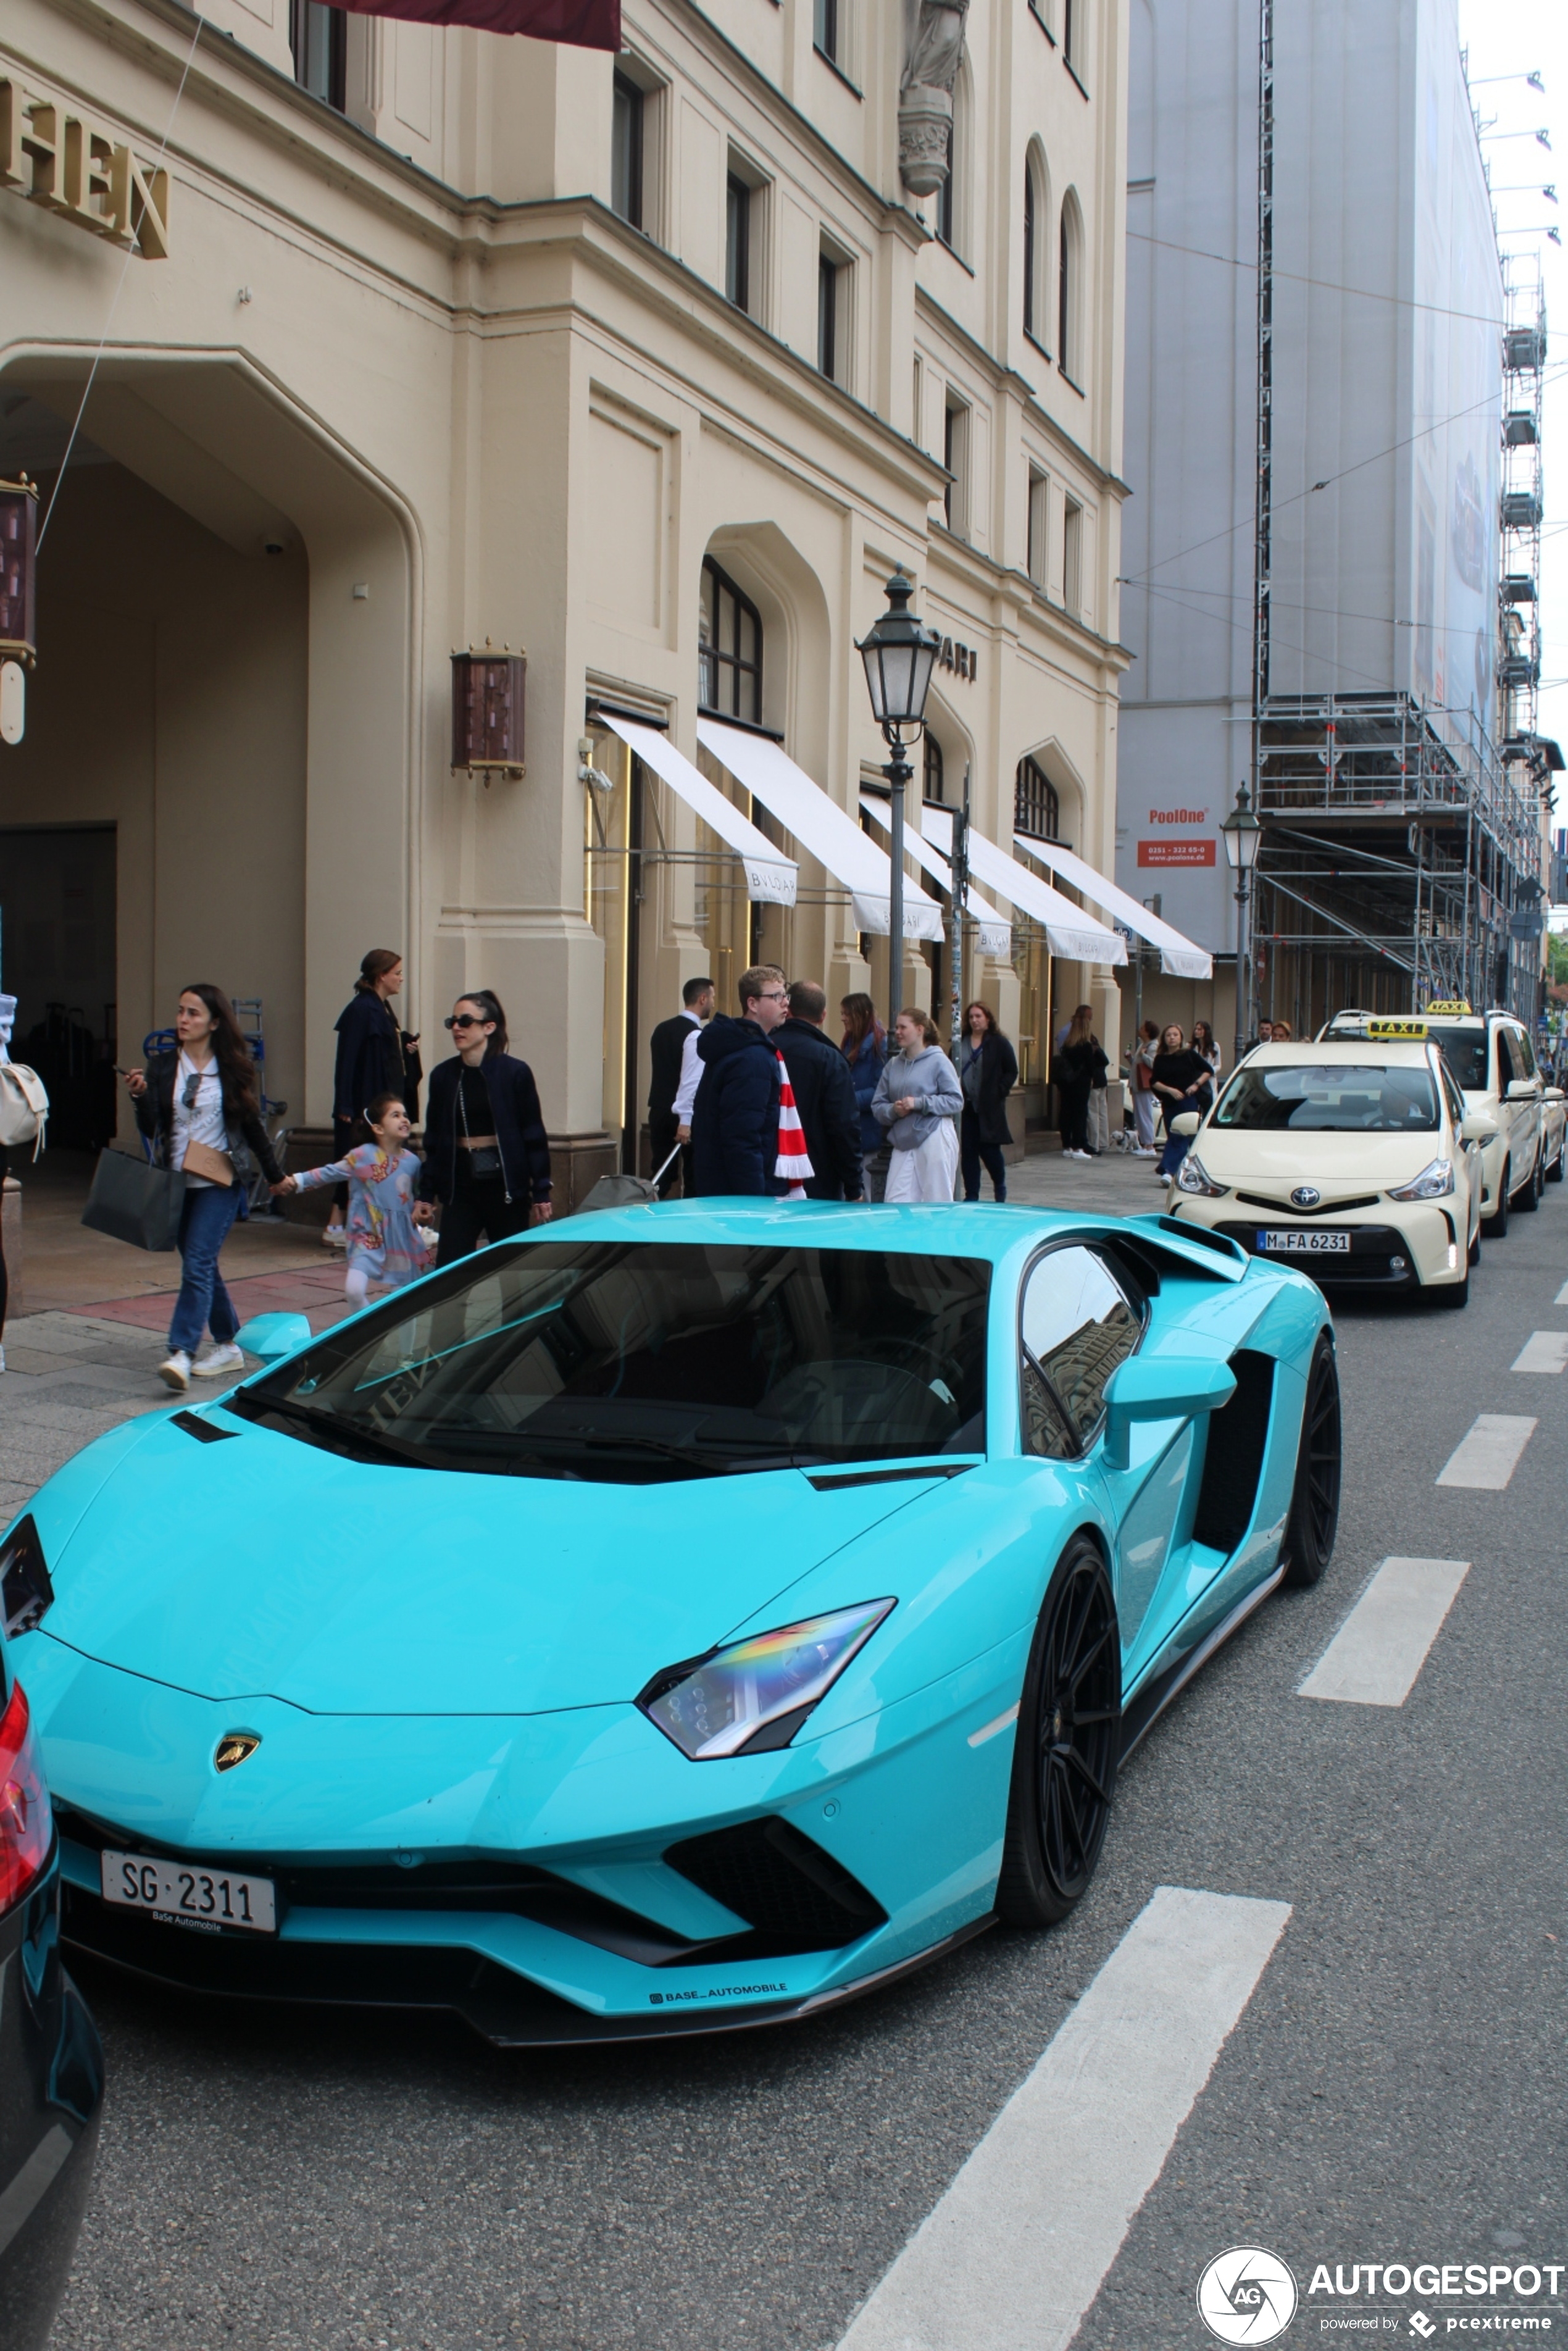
(1192, 1175)
(1434, 1183)
(754, 1695)
(26, 1591)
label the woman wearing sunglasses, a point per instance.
(200, 1107)
(486, 1157)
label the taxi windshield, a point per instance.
(1312, 1098)
(636, 1362)
(1465, 1051)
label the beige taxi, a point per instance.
(1359, 1162)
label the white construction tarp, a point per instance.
(821, 828)
(770, 876)
(995, 930)
(1070, 932)
(1177, 954)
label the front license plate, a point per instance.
(1310, 1244)
(183, 1895)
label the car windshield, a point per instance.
(635, 1361)
(1465, 1051)
(1351, 1098)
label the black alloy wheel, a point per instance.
(1064, 1754)
(1314, 1504)
(1495, 1226)
(1529, 1195)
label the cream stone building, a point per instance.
(652, 367)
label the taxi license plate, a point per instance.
(182, 1895)
(1310, 1244)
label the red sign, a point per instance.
(1176, 852)
(589, 24)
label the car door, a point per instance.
(1470, 1183)
(1079, 1319)
(1523, 1115)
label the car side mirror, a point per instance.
(272, 1336)
(1554, 1093)
(1161, 1387)
(1479, 1128)
(1186, 1122)
(1520, 1089)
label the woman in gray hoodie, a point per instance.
(917, 1105)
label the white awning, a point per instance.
(821, 828)
(1177, 954)
(996, 932)
(1070, 932)
(770, 877)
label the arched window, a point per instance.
(933, 777)
(1068, 295)
(1036, 244)
(729, 648)
(1036, 808)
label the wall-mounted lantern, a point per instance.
(487, 710)
(18, 638)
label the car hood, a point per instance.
(268, 1566)
(1352, 1163)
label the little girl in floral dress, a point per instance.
(385, 1244)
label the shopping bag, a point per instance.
(135, 1202)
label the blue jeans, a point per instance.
(203, 1303)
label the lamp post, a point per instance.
(1241, 833)
(900, 654)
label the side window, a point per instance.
(1523, 1052)
(1078, 1325)
(1505, 1069)
(1454, 1098)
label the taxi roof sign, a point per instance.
(1460, 1006)
(1415, 1027)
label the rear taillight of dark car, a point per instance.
(26, 1827)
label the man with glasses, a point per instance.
(734, 1119)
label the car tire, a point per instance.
(1495, 1226)
(1314, 1501)
(1555, 1173)
(1474, 1248)
(1528, 1198)
(1065, 1750)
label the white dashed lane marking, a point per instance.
(1015, 2251)
(1489, 1454)
(1376, 1655)
(1562, 1297)
(1543, 1351)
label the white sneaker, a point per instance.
(176, 1373)
(334, 1237)
(219, 1360)
(1145, 1151)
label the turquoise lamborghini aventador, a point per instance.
(686, 1616)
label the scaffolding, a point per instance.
(1400, 861)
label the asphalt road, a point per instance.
(1392, 2093)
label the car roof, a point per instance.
(1329, 1052)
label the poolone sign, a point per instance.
(1176, 846)
(55, 156)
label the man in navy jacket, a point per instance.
(824, 1094)
(734, 1121)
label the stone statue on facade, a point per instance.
(933, 44)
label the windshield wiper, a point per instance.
(332, 1431)
(698, 1456)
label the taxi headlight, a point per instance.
(1434, 1183)
(1192, 1175)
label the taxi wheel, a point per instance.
(1315, 1505)
(1555, 1173)
(1069, 1737)
(1528, 1198)
(1475, 1246)
(1493, 1227)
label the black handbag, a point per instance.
(135, 1202)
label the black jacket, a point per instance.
(667, 1046)
(1188, 1070)
(1080, 1067)
(824, 1090)
(155, 1117)
(519, 1129)
(370, 1056)
(999, 1076)
(734, 1121)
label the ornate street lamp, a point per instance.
(900, 654)
(1241, 834)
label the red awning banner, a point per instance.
(586, 24)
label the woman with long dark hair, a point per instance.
(487, 1155)
(373, 1058)
(864, 1048)
(1080, 1060)
(200, 1106)
(988, 1071)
